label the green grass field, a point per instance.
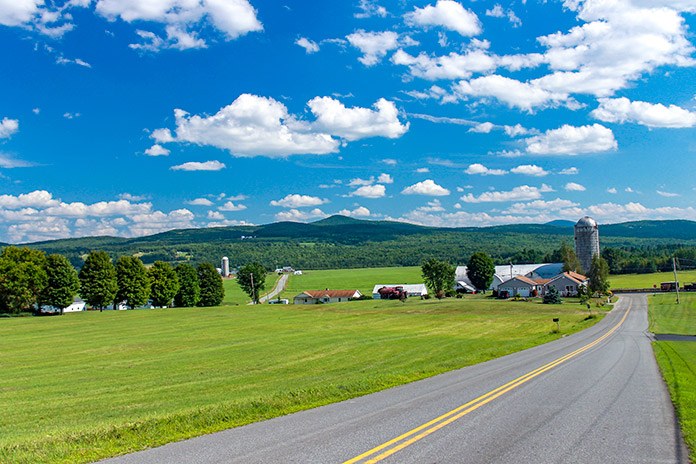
(350, 279)
(234, 295)
(677, 360)
(650, 280)
(83, 386)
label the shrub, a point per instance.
(552, 296)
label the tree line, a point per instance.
(30, 280)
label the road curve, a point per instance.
(574, 400)
(280, 286)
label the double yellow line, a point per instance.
(412, 436)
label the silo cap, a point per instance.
(586, 221)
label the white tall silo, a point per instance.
(586, 241)
(225, 266)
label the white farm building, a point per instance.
(506, 272)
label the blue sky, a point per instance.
(130, 117)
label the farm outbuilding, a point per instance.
(410, 289)
(503, 273)
(326, 296)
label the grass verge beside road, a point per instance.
(650, 280)
(83, 386)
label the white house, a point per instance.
(411, 289)
(77, 305)
(326, 296)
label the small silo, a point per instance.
(586, 241)
(225, 266)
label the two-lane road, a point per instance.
(593, 397)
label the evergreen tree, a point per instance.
(599, 272)
(62, 283)
(22, 278)
(552, 296)
(189, 290)
(210, 282)
(570, 259)
(252, 272)
(438, 276)
(164, 283)
(98, 283)
(480, 270)
(133, 283)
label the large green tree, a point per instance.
(210, 282)
(22, 278)
(570, 259)
(133, 283)
(164, 283)
(189, 290)
(598, 275)
(62, 283)
(480, 270)
(256, 273)
(438, 276)
(98, 283)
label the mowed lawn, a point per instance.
(677, 360)
(83, 386)
(650, 280)
(351, 279)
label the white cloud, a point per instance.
(569, 171)
(375, 45)
(516, 130)
(611, 190)
(198, 166)
(540, 205)
(498, 12)
(370, 8)
(369, 191)
(390, 162)
(310, 46)
(8, 127)
(432, 207)
(35, 199)
(357, 123)
(483, 128)
(523, 192)
(296, 201)
(360, 211)
(200, 202)
(667, 194)
(300, 216)
(478, 168)
(358, 181)
(512, 92)
(157, 150)
(216, 216)
(385, 179)
(648, 114)
(529, 170)
(573, 187)
(71, 115)
(570, 140)
(448, 14)
(9, 162)
(426, 187)
(422, 170)
(131, 197)
(229, 206)
(452, 66)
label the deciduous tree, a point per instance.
(438, 276)
(98, 283)
(598, 275)
(62, 283)
(480, 270)
(570, 259)
(210, 282)
(252, 272)
(22, 278)
(164, 283)
(189, 290)
(133, 283)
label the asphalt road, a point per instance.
(280, 286)
(575, 400)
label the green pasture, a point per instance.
(650, 280)
(668, 317)
(83, 386)
(351, 279)
(234, 295)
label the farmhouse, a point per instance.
(523, 286)
(326, 296)
(411, 289)
(77, 305)
(568, 283)
(507, 272)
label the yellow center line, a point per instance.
(459, 412)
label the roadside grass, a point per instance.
(349, 279)
(668, 317)
(234, 295)
(84, 386)
(650, 280)
(677, 360)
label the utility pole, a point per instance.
(253, 292)
(511, 269)
(676, 282)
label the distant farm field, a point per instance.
(351, 279)
(650, 280)
(83, 386)
(234, 295)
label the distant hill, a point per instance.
(340, 241)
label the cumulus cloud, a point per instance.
(452, 66)
(370, 8)
(300, 216)
(157, 150)
(478, 168)
(200, 202)
(648, 114)
(8, 127)
(611, 190)
(448, 14)
(375, 45)
(523, 192)
(229, 206)
(199, 166)
(529, 170)
(569, 171)
(535, 206)
(511, 92)
(571, 140)
(310, 46)
(573, 187)
(360, 211)
(385, 179)
(426, 187)
(422, 170)
(432, 207)
(357, 123)
(296, 201)
(369, 191)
